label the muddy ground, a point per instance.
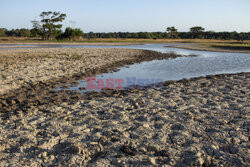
(202, 121)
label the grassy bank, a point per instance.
(233, 46)
(218, 46)
(28, 40)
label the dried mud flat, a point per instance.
(20, 67)
(197, 122)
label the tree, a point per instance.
(48, 26)
(242, 37)
(11, 33)
(34, 32)
(2, 32)
(23, 32)
(144, 35)
(72, 33)
(91, 35)
(197, 32)
(172, 32)
(37, 29)
(197, 29)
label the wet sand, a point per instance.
(201, 121)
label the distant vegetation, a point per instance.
(196, 32)
(71, 33)
(48, 28)
(76, 33)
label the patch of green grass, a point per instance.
(47, 56)
(75, 56)
(65, 54)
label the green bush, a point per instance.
(71, 33)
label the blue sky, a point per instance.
(132, 15)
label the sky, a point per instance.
(132, 15)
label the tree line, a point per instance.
(196, 32)
(50, 27)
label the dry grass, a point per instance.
(203, 44)
(233, 46)
(118, 40)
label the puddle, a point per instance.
(156, 71)
(147, 73)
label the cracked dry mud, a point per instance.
(197, 122)
(20, 67)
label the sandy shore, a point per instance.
(207, 48)
(202, 121)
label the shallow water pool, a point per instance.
(156, 71)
